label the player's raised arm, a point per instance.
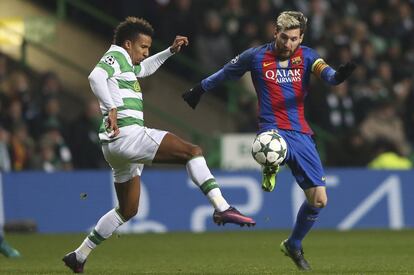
(151, 64)
(329, 75)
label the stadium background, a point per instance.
(48, 116)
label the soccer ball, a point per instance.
(269, 149)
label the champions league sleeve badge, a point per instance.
(234, 60)
(110, 60)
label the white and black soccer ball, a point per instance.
(269, 148)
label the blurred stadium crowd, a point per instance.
(358, 121)
(34, 131)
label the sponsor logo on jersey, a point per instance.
(284, 75)
(234, 60)
(265, 64)
(110, 60)
(296, 60)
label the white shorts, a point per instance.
(135, 147)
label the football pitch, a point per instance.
(254, 252)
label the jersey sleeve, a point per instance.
(98, 82)
(321, 69)
(232, 70)
(152, 63)
(114, 63)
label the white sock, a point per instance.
(82, 252)
(217, 200)
(106, 225)
(202, 177)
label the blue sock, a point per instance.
(305, 219)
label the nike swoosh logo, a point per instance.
(265, 64)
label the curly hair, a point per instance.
(130, 28)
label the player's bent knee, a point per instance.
(320, 203)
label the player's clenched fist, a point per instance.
(178, 42)
(111, 124)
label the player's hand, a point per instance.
(111, 124)
(193, 96)
(179, 41)
(344, 71)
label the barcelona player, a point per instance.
(281, 72)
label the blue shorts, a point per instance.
(303, 159)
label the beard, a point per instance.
(284, 54)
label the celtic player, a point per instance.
(127, 144)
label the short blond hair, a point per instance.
(289, 20)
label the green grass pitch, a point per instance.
(255, 252)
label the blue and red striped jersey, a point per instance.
(281, 86)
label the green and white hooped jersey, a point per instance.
(124, 89)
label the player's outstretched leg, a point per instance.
(202, 177)
(269, 174)
(176, 150)
(296, 255)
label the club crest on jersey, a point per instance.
(234, 60)
(137, 88)
(296, 60)
(110, 60)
